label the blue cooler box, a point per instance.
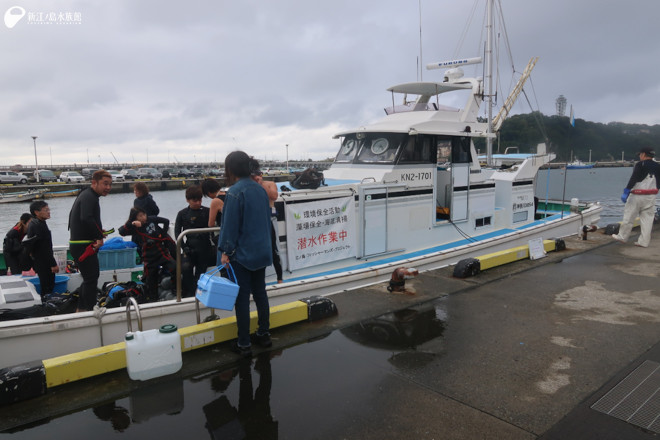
(217, 292)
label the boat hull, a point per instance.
(35, 339)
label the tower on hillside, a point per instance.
(560, 104)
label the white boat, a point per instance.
(21, 196)
(405, 191)
(577, 164)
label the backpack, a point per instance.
(55, 304)
(311, 178)
(115, 294)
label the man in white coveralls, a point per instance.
(639, 196)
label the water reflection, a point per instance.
(402, 329)
(410, 331)
(161, 398)
(252, 419)
(117, 415)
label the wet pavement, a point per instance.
(518, 352)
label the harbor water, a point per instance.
(596, 184)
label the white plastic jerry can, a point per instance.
(153, 353)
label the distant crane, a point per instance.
(113, 156)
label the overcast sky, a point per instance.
(153, 81)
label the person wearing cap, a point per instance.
(639, 196)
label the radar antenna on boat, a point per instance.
(455, 72)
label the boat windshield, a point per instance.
(370, 147)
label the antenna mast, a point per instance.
(489, 82)
(421, 60)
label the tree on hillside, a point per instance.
(606, 141)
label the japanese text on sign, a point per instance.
(320, 231)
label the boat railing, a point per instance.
(179, 245)
(132, 302)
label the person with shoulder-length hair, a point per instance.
(243, 242)
(86, 230)
(11, 246)
(144, 200)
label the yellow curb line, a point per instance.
(500, 258)
(76, 366)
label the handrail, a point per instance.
(179, 242)
(134, 302)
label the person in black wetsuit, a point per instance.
(144, 200)
(39, 243)
(86, 230)
(11, 246)
(157, 247)
(211, 188)
(197, 248)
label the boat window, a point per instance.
(454, 149)
(460, 150)
(380, 147)
(419, 149)
(348, 150)
(481, 222)
(444, 151)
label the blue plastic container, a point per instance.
(61, 283)
(217, 292)
(117, 259)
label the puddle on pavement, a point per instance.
(317, 389)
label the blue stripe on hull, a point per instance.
(423, 252)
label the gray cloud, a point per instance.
(205, 77)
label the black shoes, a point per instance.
(264, 340)
(245, 352)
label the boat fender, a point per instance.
(22, 382)
(319, 307)
(611, 229)
(586, 229)
(399, 277)
(560, 244)
(467, 267)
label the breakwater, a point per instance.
(122, 187)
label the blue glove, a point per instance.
(624, 196)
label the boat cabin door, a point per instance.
(460, 176)
(373, 201)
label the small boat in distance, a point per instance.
(577, 164)
(65, 193)
(21, 196)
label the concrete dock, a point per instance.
(564, 347)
